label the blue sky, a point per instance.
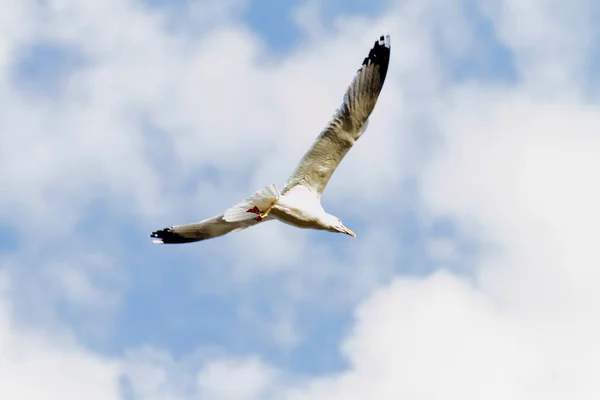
(169, 116)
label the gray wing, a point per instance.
(348, 123)
(207, 229)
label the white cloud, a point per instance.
(40, 364)
(235, 379)
(206, 374)
(550, 40)
(439, 338)
(525, 169)
(36, 365)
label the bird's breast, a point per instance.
(297, 213)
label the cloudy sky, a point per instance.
(474, 195)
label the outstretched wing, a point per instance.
(207, 229)
(348, 123)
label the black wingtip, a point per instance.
(168, 236)
(380, 55)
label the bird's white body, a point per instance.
(300, 208)
(299, 202)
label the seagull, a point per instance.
(299, 202)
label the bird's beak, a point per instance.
(348, 232)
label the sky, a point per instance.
(473, 194)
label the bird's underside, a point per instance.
(298, 203)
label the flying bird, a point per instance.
(299, 202)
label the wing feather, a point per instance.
(203, 230)
(348, 123)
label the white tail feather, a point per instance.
(262, 199)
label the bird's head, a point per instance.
(334, 224)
